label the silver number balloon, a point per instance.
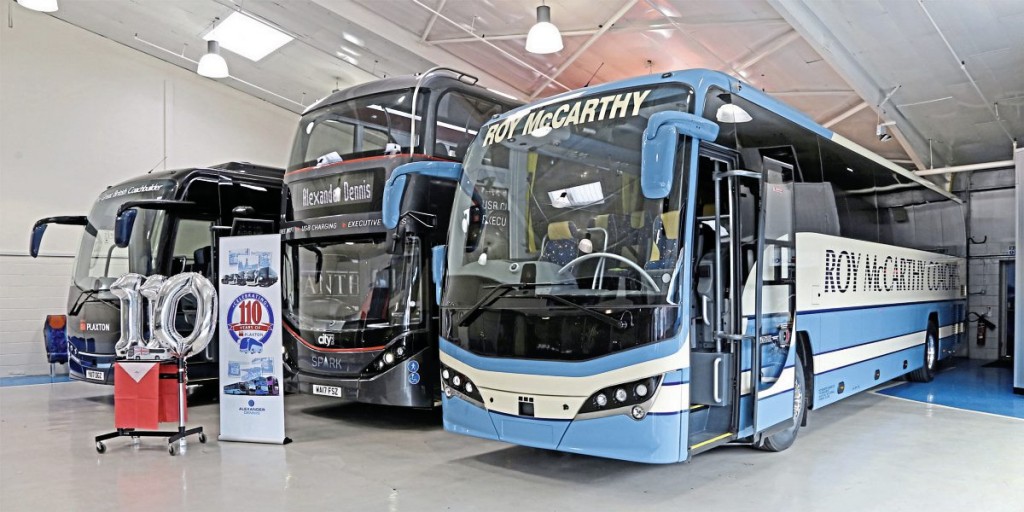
(126, 288)
(151, 292)
(171, 293)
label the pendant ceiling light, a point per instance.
(212, 65)
(543, 37)
(39, 5)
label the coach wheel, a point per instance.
(100, 447)
(784, 438)
(931, 357)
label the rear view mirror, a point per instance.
(394, 189)
(123, 227)
(473, 221)
(37, 239)
(39, 228)
(660, 139)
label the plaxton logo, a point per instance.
(358, 192)
(98, 326)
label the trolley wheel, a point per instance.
(172, 449)
(100, 447)
(202, 438)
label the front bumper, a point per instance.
(654, 439)
(91, 367)
(411, 383)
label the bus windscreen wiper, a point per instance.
(499, 291)
(608, 319)
(83, 298)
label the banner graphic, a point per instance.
(251, 394)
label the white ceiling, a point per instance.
(836, 61)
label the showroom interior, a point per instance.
(596, 254)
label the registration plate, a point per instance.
(327, 390)
(94, 375)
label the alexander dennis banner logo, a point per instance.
(250, 322)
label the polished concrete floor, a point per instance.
(867, 453)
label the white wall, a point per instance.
(79, 112)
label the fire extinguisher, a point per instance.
(984, 324)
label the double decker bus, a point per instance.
(687, 263)
(158, 223)
(361, 322)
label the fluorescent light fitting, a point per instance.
(544, 36)
(247, 36)
(39, 5)
(212, 65)
(352, 39)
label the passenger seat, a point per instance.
(561, 245)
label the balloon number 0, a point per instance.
(162, 296)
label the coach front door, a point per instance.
(769, 301)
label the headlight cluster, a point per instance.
(630, 394)
(454, 383)
(398, 351)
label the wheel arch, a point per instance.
(803, 349)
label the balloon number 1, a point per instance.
(162, 296)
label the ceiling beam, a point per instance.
(963, 67)
(500, 50)
(726, 65)
(812, 92)
(433, 19)
(410, 41)
(777, 43)
(621, 27)
(845, 115)
(583, 48)
(817, 34)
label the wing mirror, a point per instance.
(658, 152)
(123, 227)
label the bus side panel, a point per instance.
(840, 383)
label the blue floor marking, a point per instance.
(29, 380)
(966, 384)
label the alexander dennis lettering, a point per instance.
(345, 193)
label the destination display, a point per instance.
(347, 192)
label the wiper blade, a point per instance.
(498, 291)
(608, 319)
(81, 300)
(502, 290)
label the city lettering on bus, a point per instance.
(648, 269)
(360, 322)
